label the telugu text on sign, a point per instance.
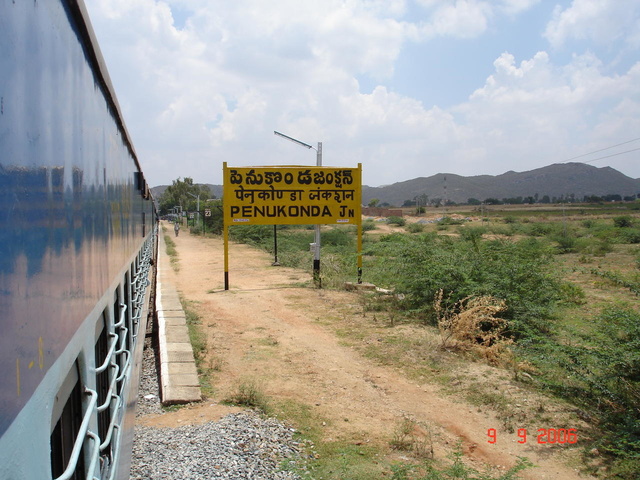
(292, 195)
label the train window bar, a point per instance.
(110, 394)
(117, 380)
(123, 354)
(83, 432)
(106, 343)
(112, 425)
(66, 415)
(112, 348)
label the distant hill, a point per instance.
(558, 180)
(555, 181)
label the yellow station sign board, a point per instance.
(292, 195)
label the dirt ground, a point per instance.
(271, 328)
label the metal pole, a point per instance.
(316, 256)
(275, 263)
(197, 207)
(359, 218)
(225, 236)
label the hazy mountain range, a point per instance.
(555, 181)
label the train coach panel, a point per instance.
(74, 208)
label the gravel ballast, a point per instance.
(243, 445)
(239, 446)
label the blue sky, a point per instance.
(408, 88)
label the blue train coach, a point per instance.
(77, 246)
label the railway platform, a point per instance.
(178, 375)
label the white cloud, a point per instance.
(537, 113)
(514, 7)
(600, 21)
(466, 18)
(459, 19)
(204, 82)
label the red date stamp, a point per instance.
(543, 435)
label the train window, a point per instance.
(127, 302)
(140, 181)
(116, 305)
(66, 421)
(103, 378)
(122, 330)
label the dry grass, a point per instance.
(411, 436)
(472, 325)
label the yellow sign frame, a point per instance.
(291, 195)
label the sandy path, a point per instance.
(267, 327)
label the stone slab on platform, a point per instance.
(178, 374)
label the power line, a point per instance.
(603, 149)
(612, 155)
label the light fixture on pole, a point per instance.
(316, 244)
(197, 205)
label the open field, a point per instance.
(523, 322)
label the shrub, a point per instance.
(514, 272)
(337, 237)
(473, 326)
(396, 221)
(450, 221)
(539, 229)
(472, 234)
(594, 246)
(368, 225)
(622, 221)
(604, 375)
(255, 234)
(249, 393)
(631, 235)
(415, 227)
(566, 244)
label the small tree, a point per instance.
(183, 193)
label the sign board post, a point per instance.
(292, 195)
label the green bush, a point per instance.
(337, 237)
(415, 227)
(396, 221)
(594, 246)
(631, 235)
(450, 221)
(602, 373)
(369, 225)
(518, 273)
(253, 234)
(539, 229)
(622, 221)
(565, 243)
(472, 233)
